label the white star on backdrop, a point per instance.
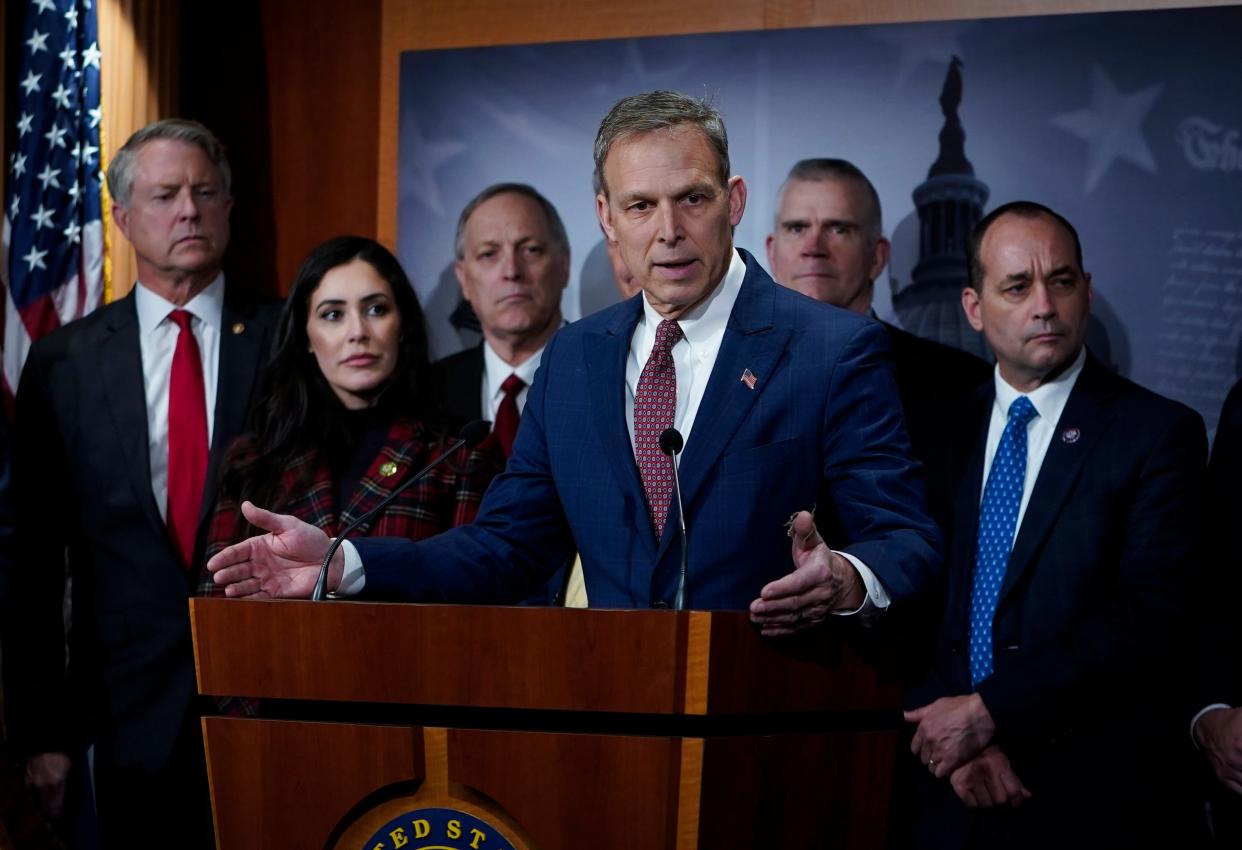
(429, 156)
(936, 43)
(23, 124)
(1111, 125)
(45, 5)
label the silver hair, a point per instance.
(121, 169)
(556, 227)
(659, 110)
(812, 170)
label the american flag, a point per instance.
(53, 241)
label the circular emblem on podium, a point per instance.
(437, 829)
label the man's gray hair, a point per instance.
(660, 110)
(813, 170)
(556, 228)
(121, 169)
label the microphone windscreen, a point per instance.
(671, 441)
(475, 432)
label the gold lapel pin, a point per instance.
(388, 469)
(239, 327)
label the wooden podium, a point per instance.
(561, 729)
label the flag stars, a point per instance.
(23, 124)
(56, 137)
(73, 233)
(34, 259)
(42, 217)
(69, 57)
(96, 115)
(45, 5)
(91, 55)
(48, 177)
(13, 207)
(71, 17)
(31, 83)
(88, 151)
(19, 165)
(73, 192)
(61, 96)
(37, 42)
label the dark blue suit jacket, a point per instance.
(822, 426)
(1085, 676)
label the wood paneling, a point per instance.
(292, 783)
(139, 82)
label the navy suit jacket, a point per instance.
(822, 426)
(1089, 611)
(82, 466)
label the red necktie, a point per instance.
(507, 415)
(187, 438)
(655, 403)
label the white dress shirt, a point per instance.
(495, 372)
(1049, 401)
(694, 357)
(157, 336)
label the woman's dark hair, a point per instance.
(296, 410)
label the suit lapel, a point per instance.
(606, 354)
(240, 343)
(969, 491)
(402, 447)
(119, 362)
(751, 341)
(1089, 412)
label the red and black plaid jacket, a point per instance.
(447, 497)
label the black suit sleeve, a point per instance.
(37, 707)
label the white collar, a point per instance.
(496, 370)
(1047, 398)
(153, 308)
(708, 318)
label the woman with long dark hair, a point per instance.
(343, 416)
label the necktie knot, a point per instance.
(183, 319)
(1021, 411)
(668, 332)
(512, 386)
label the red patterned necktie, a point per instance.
(655, 403)
(187, 438)
(507, 415)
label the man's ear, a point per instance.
(604, 213)
(970, 306)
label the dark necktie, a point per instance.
(187, 438)
(655, 403)
(998, 518)
(507, 415)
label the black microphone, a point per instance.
(474, 433)
(671, 444)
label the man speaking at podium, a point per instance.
(785, 405)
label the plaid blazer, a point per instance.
(447, 497)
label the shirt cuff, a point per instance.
(354, 578)
(1194, 721)
(877, 598)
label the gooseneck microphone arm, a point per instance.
(671, 444)
(471, 435)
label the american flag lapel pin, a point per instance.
(749, 379)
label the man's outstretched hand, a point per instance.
(282, 564)
(822, 581)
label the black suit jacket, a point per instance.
(1086, 626)
(82, 465)
(932, 380)
(458, 384)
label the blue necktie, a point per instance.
(998, 517)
